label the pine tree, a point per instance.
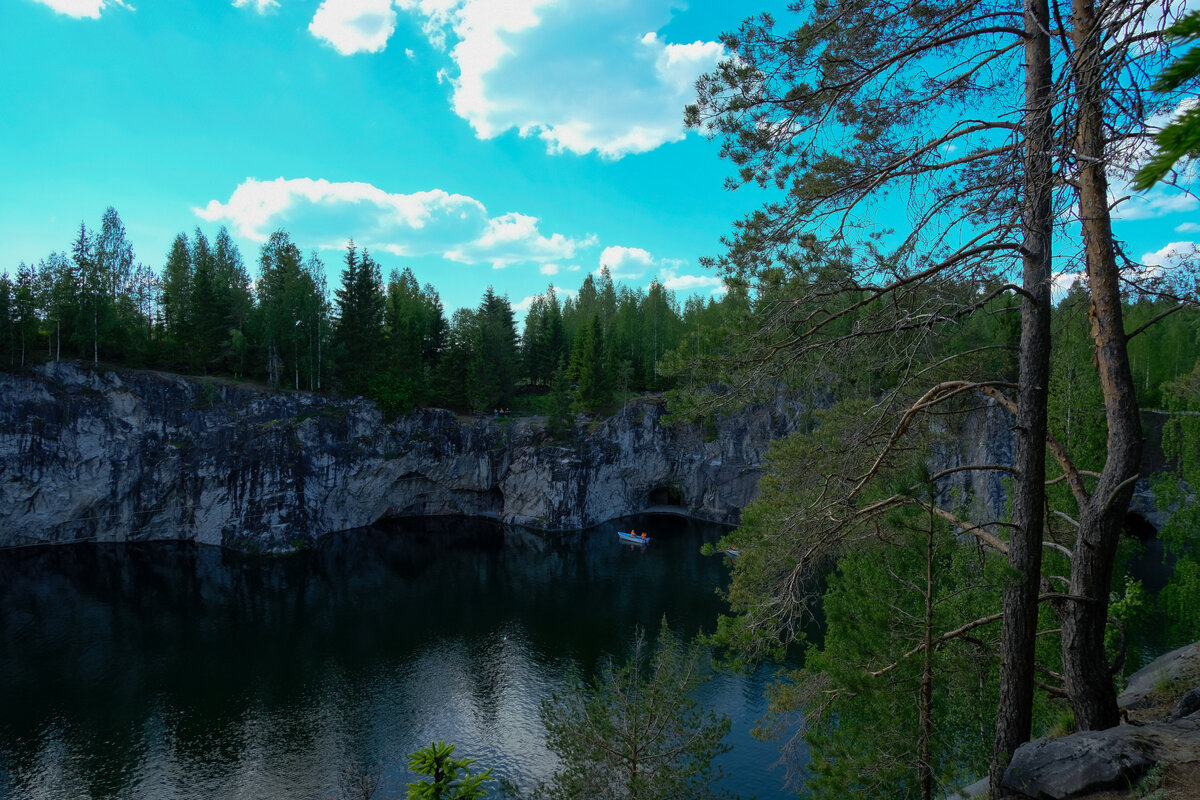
(593, 390)
(494, 364)
(25, 304)
(8, 350)
(637, 731)
(233, 283)
(176, 299)
(207, 305)
(358, 332)
(285, 289)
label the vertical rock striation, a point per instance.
(125, 456)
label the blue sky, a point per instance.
(515, 143)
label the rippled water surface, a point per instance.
(175, 671)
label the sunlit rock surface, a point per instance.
(125, 455)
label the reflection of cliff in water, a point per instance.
(123, 663)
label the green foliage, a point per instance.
(1179, 601)
(494, 364)
(544, 342)
(593, 388)
(291, 312)
(414, 331)
(859, 692)
(1126, 608)
(358, 331)
(1180, 138)
(636, 731)
(448, 778)
(207, 397)
(393, 395)
(559, 420)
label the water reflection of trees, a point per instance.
(119, 654)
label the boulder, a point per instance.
(1088, 761)
(1187, 705)
(1167, 674)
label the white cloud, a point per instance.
(1061, 284)
(354, 26)
(631, 263)
(83, 8)
(435, 222)
(626, 262)
(1171, 255)
(1158, 202)
(1188, 227)
(689, 284)
(693, 284)
(549, 269)
(581, 76)
(261, 6)
(514, 237)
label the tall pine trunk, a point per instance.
(925, 745)
(1014, 719)
(1086, 674)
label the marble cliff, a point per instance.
(90, 455)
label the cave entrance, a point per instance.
(1138, 527)
(666, 496)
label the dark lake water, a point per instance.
(175, 671)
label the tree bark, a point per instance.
(1014, 717)
(1087, 677)
(925, 746)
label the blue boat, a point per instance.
(640, 538)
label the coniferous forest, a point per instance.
(952, 632)
(204, 311)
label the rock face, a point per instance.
(1093, 760)
(984, 438)
(1177, 668)
(121, 456)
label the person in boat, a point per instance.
(643, 535)
(632, 532)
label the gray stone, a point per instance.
(1093, 760)
(1088, 761)
(123, 455)
(1166, 674)
(1188, 704)
(91, 455)
(977, 789)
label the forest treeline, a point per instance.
(392, 340)
(203, 312)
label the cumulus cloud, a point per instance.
(1061, 284)
(261, 6)
(1158, 202)
(1188, 227)
(354, 26)
(626, 262)
(631, 263)
(694, 284)
(1171, 255)
(433, 222)
(512, 238)
(614, 88)
(83, 8)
